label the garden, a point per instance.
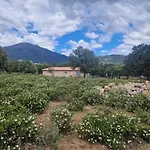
(38, 112)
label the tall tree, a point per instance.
(138, 62)
(3, 59)
(83, 58)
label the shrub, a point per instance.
(62, 119)
(116, 99)
(16, 125)
(51, 93)
(113, 131)
(91, 97)
(143, 116)
(75, 105)
(47, 137)
(34, 101)
(139, 102)
(145, 133)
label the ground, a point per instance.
(71, 141)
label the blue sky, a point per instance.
(76, 36)
(104, 26)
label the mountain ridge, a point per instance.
(37, 54)
(34, 53)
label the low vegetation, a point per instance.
(24, 96)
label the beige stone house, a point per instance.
(61, 72)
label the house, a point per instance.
(61, 72)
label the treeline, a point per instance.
(136, 64)
(107, 70)
(22, 66)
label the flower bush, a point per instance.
(62, 119)
(75, 105)
(144, 116)
(114, 130)
(145, 133)
(92, 97)
(34, 101)
(16, 125)
(116, 99)
(139, 102)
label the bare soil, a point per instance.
(77, 117)
(72, 142)
(44, 118)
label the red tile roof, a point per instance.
(61, 69)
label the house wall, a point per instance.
(61, 73)
(46, 73)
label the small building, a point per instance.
(61, 72)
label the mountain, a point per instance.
(34, 53)
(113, 59)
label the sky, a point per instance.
(104, 26)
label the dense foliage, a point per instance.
(83, 58)
(113, 130)
(138, 62)
(107, 70)
(62, 119)
(3, 59)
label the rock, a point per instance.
(138, 85)
(106, 88)
(147, 83)
(102, 91)
(112, 85)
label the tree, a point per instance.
(138, 62)
(83, 58)
(27, 67)
(107, 70)
(42, 66)
(12, 66)
(3, 59)
(117, 70)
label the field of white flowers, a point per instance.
(24, 97)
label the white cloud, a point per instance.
(105, 38)
(104, 51)
(122, 49)
(73, 44)
(66, 52)
(92, 45)
(91, 35)
(55, 18)
(45, 42)
(10, 39)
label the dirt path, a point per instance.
(44, 118)
(72, 142)
(77, 117)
